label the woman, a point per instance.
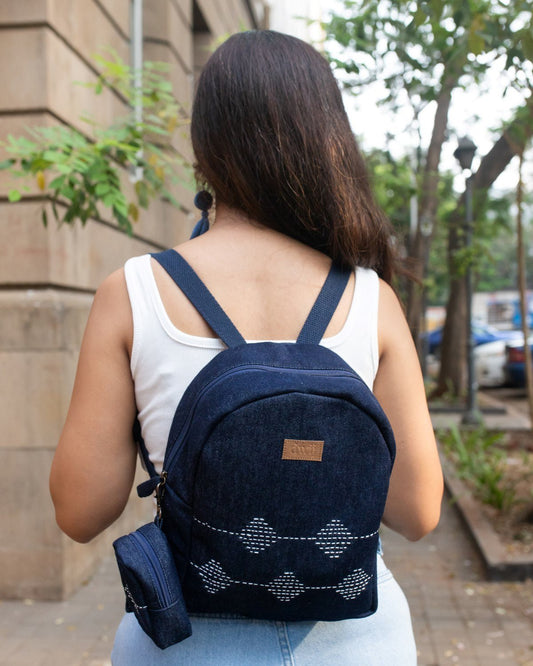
(273, 143)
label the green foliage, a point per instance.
(437, 280)
(492, 231)
(499, 270)
(81, 172)
(394, 184)
(479, 461)
(421, 51)
(395, 181)
(415, 46)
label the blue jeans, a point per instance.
(383, 639)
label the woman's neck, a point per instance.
(232, 217)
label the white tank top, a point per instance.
(164, 360)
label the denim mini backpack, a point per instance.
(275, 474)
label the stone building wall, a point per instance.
(48, 275)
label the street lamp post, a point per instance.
(464, 154)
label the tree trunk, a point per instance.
(419, 251)
(453, 348)
(522, 287)
(452, 376)
(453, 356)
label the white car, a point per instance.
(489, 360)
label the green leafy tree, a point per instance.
(82, 173)
(513, 140)
(422, 51)
(493, 253)
(395, 186)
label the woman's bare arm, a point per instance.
(416, 486)
(94, 464)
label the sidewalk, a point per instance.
(495, 415)
(76, 632)
(458, 618)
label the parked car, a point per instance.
(515, 365)
(483, 334)
(490, 358)
(489, 364)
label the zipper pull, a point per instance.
(159, 492)
(147, 488)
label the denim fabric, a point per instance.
(382, 639)
(152, 586)
(265, 537)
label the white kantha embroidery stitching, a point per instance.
(285, 587)
(258, 535)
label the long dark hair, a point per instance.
(272, 139)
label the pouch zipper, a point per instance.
(151, 558)
(236, 371)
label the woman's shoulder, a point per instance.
(389, 299)
(392, 324)
(111, 305)
(112, 286)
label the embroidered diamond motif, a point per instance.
(258, 535)
(334, 539)
(354, 583)
(213, 577)
(286, 586)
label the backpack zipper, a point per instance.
(151, 558)
(238, 370)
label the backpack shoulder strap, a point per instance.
(325, 305)
(200, 296)
(202, 299)
(143, 451)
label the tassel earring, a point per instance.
(203, 201)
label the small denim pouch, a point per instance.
(152, 585)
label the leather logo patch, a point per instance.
(302, 449)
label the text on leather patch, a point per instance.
(302, 449)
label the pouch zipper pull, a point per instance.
(159, 492)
